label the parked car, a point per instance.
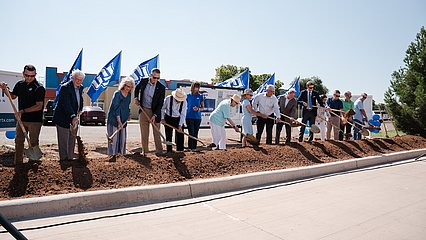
(48, 113)
(92, 114)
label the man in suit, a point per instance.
(288, 107)
(149, 95)
(68, 107)
(308, 98)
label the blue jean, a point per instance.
(193, 126)
(358, 125)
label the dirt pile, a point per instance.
(136, 170)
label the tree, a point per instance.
(319, 86)
(405, 98)
(225, 72)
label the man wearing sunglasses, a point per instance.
(308, 98)
(30, 94)
(149, 95)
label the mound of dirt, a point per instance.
(135, 170)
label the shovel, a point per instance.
(156, 128)
(114, 133)
(33, 152)
(364, 132)
(250, 138)
(177, 129)
(313, 128)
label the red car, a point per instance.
(92, 114)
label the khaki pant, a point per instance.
(334, 123)
(33, 130)
(144, 126)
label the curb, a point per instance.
(30, 208)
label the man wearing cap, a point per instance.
(288, 107)
(173, 113)
(218, 118)
(360, 116)
(267, 104)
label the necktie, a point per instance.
(309, 100)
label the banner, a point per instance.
(67, 77)
(296, 86)
(109, 74)
(239, 81)
(262, 88)
(144, 69)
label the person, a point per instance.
(322, 118)
(67, 110)
(118, 114)
(195, 103)
(217, 121)
(335, 107)
(173, 113)
(248, 112)
(360, 116)
(308, 98)
(288, 107)
(348, 104)
(267, 104)
(149, 96)
(30, 94)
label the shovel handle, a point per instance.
(282, 114)
(18, 118)
(116, 131)
(153, 125)
(170, 126)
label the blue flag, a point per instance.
(109, 74)
(296, 86)
(67, 77)
(239, 81)
(144, 69)
(262, 88)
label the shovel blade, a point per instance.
(169, 143)
(33, 153)
(315, 129)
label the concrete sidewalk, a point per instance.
(56, 205)
(382, 202)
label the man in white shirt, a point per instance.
(267, 105)
(360, 116)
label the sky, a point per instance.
(350, 45)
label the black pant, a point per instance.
(174, 121)
(347, 132)
(309, 115)
(287, 132)
(193, 127)
(261, 125)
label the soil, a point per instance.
(97, 172)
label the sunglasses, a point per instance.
(29, 76)
(156, 78)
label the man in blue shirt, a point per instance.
(335, 106)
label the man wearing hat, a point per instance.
(173, 113)
(360, 116)
(288, 107)
(218, 118)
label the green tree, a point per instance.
(225, 72)
(319, 86)
(405, 98)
